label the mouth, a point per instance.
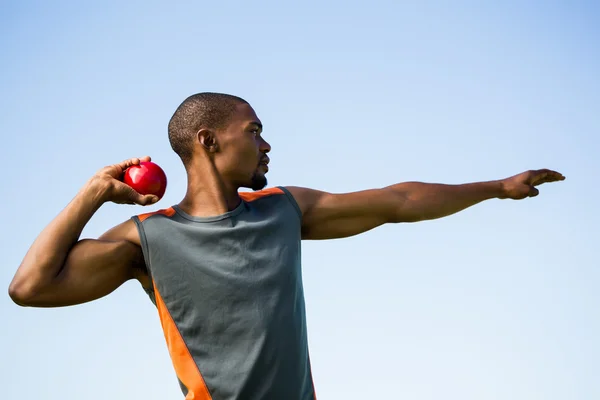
(264, 163)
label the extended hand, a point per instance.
(524, 185)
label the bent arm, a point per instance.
(92, 269)
(47, 255)
(60, 270)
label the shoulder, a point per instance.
(260, 194)
(128, 230)
(166, 212)
(126, 233)
(306, 198)
(277, 193)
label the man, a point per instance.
(222, 266)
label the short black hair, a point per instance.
(201, 110)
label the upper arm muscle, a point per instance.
(93, 269)
(330, 216)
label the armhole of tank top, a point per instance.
(292, 200)
(144, 242)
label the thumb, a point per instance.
(533, 191)
(146, 200)
(138, 198)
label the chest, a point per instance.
(239, 257)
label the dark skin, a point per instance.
(61, 270)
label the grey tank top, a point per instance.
(229, 295)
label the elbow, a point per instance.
(402, 208)
(20, 295)
(30, 282)
(409, 211)
(22, 292)
(33, 279)
(406, 219)
(406, 214)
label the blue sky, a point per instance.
(497, 302)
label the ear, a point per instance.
(208, 140)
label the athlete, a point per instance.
(223, 266)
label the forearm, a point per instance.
(48, 253)
(425, 201)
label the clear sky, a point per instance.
(497, 302)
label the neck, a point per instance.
(207, 193)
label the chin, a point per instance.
(259, 182)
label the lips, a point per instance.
(264, 161)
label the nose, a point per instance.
(265, 147)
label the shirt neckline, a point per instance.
(236, 211)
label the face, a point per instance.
(242, 155)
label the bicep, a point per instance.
(93, 269)
(331, 216)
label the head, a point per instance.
(220, 132)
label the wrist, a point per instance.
(97, 191)
(500, 189)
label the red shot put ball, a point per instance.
(146, 178)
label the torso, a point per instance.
(230, 298)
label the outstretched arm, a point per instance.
(330, 216)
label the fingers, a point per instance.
(544, 176)
(128, 163)
(552, 176)
(132, 161)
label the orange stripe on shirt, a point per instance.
(251, 196)
(185, 367)
(168, 212)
